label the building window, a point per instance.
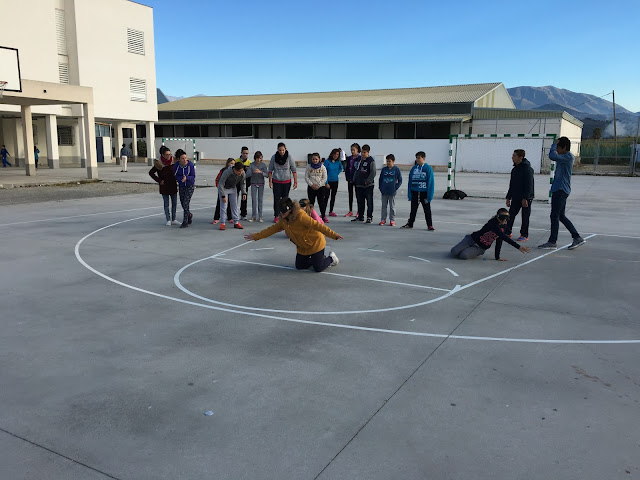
(61, 32)
(135, 41)
(362, 130)
(405, 130)
(65, 135)
(299, 130)
(138, 89)
(241, 130)
(63, 73)
(103, 130)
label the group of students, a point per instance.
(306, 229)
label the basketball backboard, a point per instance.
(10, 69)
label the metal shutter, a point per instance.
(135, 41)
(61, 32)
(63, 72)
(138, 89)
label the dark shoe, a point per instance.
(548, 246)
(190, 218)
(369, 220)
(577, 242)
(406, 225)
(184, 225)
(431, 229)
(355, 219)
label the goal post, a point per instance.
(182, 143)
(490, 153)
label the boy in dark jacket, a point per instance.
(420, 190)
(185, 174)
(389, 182)
(162, 172)
(520, 194)
(364, 180)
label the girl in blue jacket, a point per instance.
(334, 167)
(421, 186)
(186, 176)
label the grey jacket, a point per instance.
(229, 180)
(257, 178)
(281, 173)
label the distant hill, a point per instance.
(529, 98)
(162, 98)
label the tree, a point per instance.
(597, 133)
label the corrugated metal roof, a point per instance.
(397, 96)
(499, 113)
(276, 121)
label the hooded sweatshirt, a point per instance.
(490, 232)
(564, 169)
(421, 180)
(257, 178)
(521, 183)
(316, 176)
(389, 180)
(306, 234)
(350, 167)
(230, 181)
(188, 170)
(159, 173)
(365, 172)
(281, 168)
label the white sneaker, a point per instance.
(334, 257)
(168, 224)
(261, 220)
(175, 222)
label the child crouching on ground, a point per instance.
(477, 243)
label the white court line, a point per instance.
(452, 272)
(76, 216)
(422, 259)
(326, 324)
(258, 249)
(371, 250)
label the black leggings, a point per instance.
(350, 187)
(321, 195)
(318, 261)
(334, 190)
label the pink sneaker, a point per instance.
(325, 219)
(392, 223)
(275, 219)
(382, 222)
(350, 214)
(332, 214)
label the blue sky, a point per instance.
(250, 47)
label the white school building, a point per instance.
(86, 73)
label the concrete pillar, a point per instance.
(82, 140)
(90, 140)
(151, 143)
(118, 140)
(18, 142)
(27, 122)
(134, 143)
(53, 154)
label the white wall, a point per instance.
(404, 150)
(493, 155)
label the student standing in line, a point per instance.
(125, 154)
(244, 158)
(162, 172)
(306, 234)
(256, 172)
(36, 152)
(216, 215)
(5, 153)
(316, 178)
(364, 181)
(560, 190)
(389, 182)
(228, 192)
(281, 169)
(420, 190)
(520, 193)
(478, 242)
(185, 174)
(349, 169)
(334, 166)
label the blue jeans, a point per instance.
(174, 205)
(5, 162)
(558, 204)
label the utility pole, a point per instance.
(615, 128)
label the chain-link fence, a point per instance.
(609, 156)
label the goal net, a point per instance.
(186, 144)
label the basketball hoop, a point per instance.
(2, 85)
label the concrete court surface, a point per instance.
(119, 333)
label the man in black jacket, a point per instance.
(520, 194)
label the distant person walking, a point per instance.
(125, 154)
(281, 169)
(520, 194)
(36, 152)
(560, 190)
(4, 154)
(185, 174)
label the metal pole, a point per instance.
(636, 152)
(615, 128)
(450, 160)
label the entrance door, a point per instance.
(99, 149)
